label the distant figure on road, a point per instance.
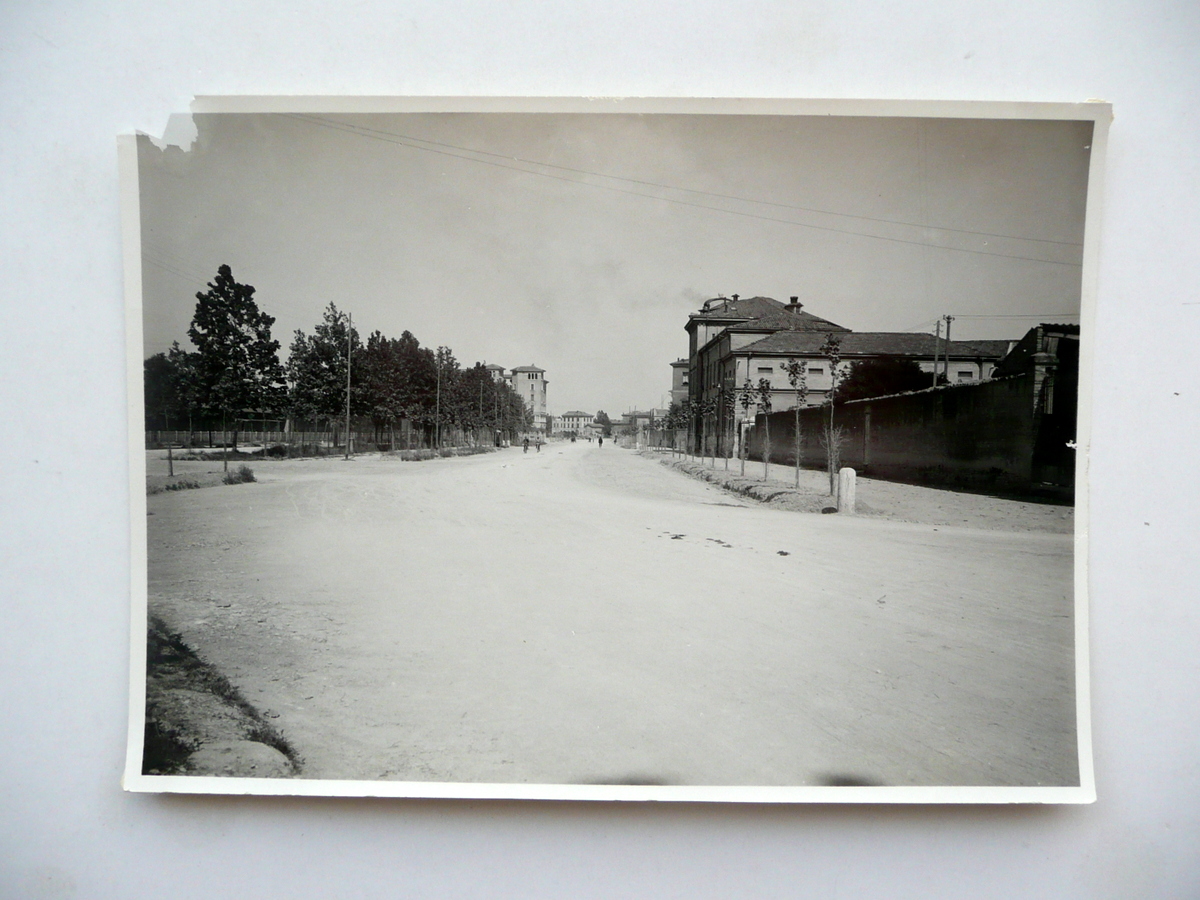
(600, 438)
(538, 441)
(525, 445)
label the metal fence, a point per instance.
(325, 441)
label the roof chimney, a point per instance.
(795, 305)
(735, 296)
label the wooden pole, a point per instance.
(349, 350)
(936, 342)
(946, 361)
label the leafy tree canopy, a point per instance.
(880, 377)
(316, 368)
(236, 367)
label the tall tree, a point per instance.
(445, 399)
(236, 367)
(159, 391)
(604, 422)
(316, 369)
(398, 379)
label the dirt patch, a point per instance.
(771, 493)
(878, 499)
(198, 724)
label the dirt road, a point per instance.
(585, 615)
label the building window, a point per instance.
(764, 370)
(815, 370)
(965, 376)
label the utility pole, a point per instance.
(349, 332)
(946, 361)
(936, 342)
(437, 403)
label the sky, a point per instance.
(581, 242)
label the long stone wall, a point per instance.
(977, 435)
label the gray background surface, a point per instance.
(75, 75)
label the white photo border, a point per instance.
(1097, 112)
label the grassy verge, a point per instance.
(774, 493)
(189, 703)
(444, 453)
(157, 484)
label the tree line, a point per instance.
(234, 373)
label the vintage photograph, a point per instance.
(609, 451)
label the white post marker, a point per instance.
(846, 491)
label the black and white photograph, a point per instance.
(675, 450)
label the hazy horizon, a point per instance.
(581, 242)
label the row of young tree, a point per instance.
(701, 420)
(234, 373)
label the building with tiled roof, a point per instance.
(734, 341)
(893, 344)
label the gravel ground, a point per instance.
(586, 615)
(908, 502)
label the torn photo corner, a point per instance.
(595, 449)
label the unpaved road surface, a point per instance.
(586, 615)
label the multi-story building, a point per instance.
(530, 384)
(573, 422)
(734, 340)
(679, 381)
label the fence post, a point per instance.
(846, 491)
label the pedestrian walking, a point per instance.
(601, 441)
(525, 445)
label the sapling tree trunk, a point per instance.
(798, 445)
(831, 349)
(766, 448)
(764, 406)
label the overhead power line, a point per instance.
(671, 187)
(1044, 317)
(1058, 315)
(415, 144)
(189, 277)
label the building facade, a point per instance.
(679, 381)
(734, 341)
(573, 422)
(530, 384)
